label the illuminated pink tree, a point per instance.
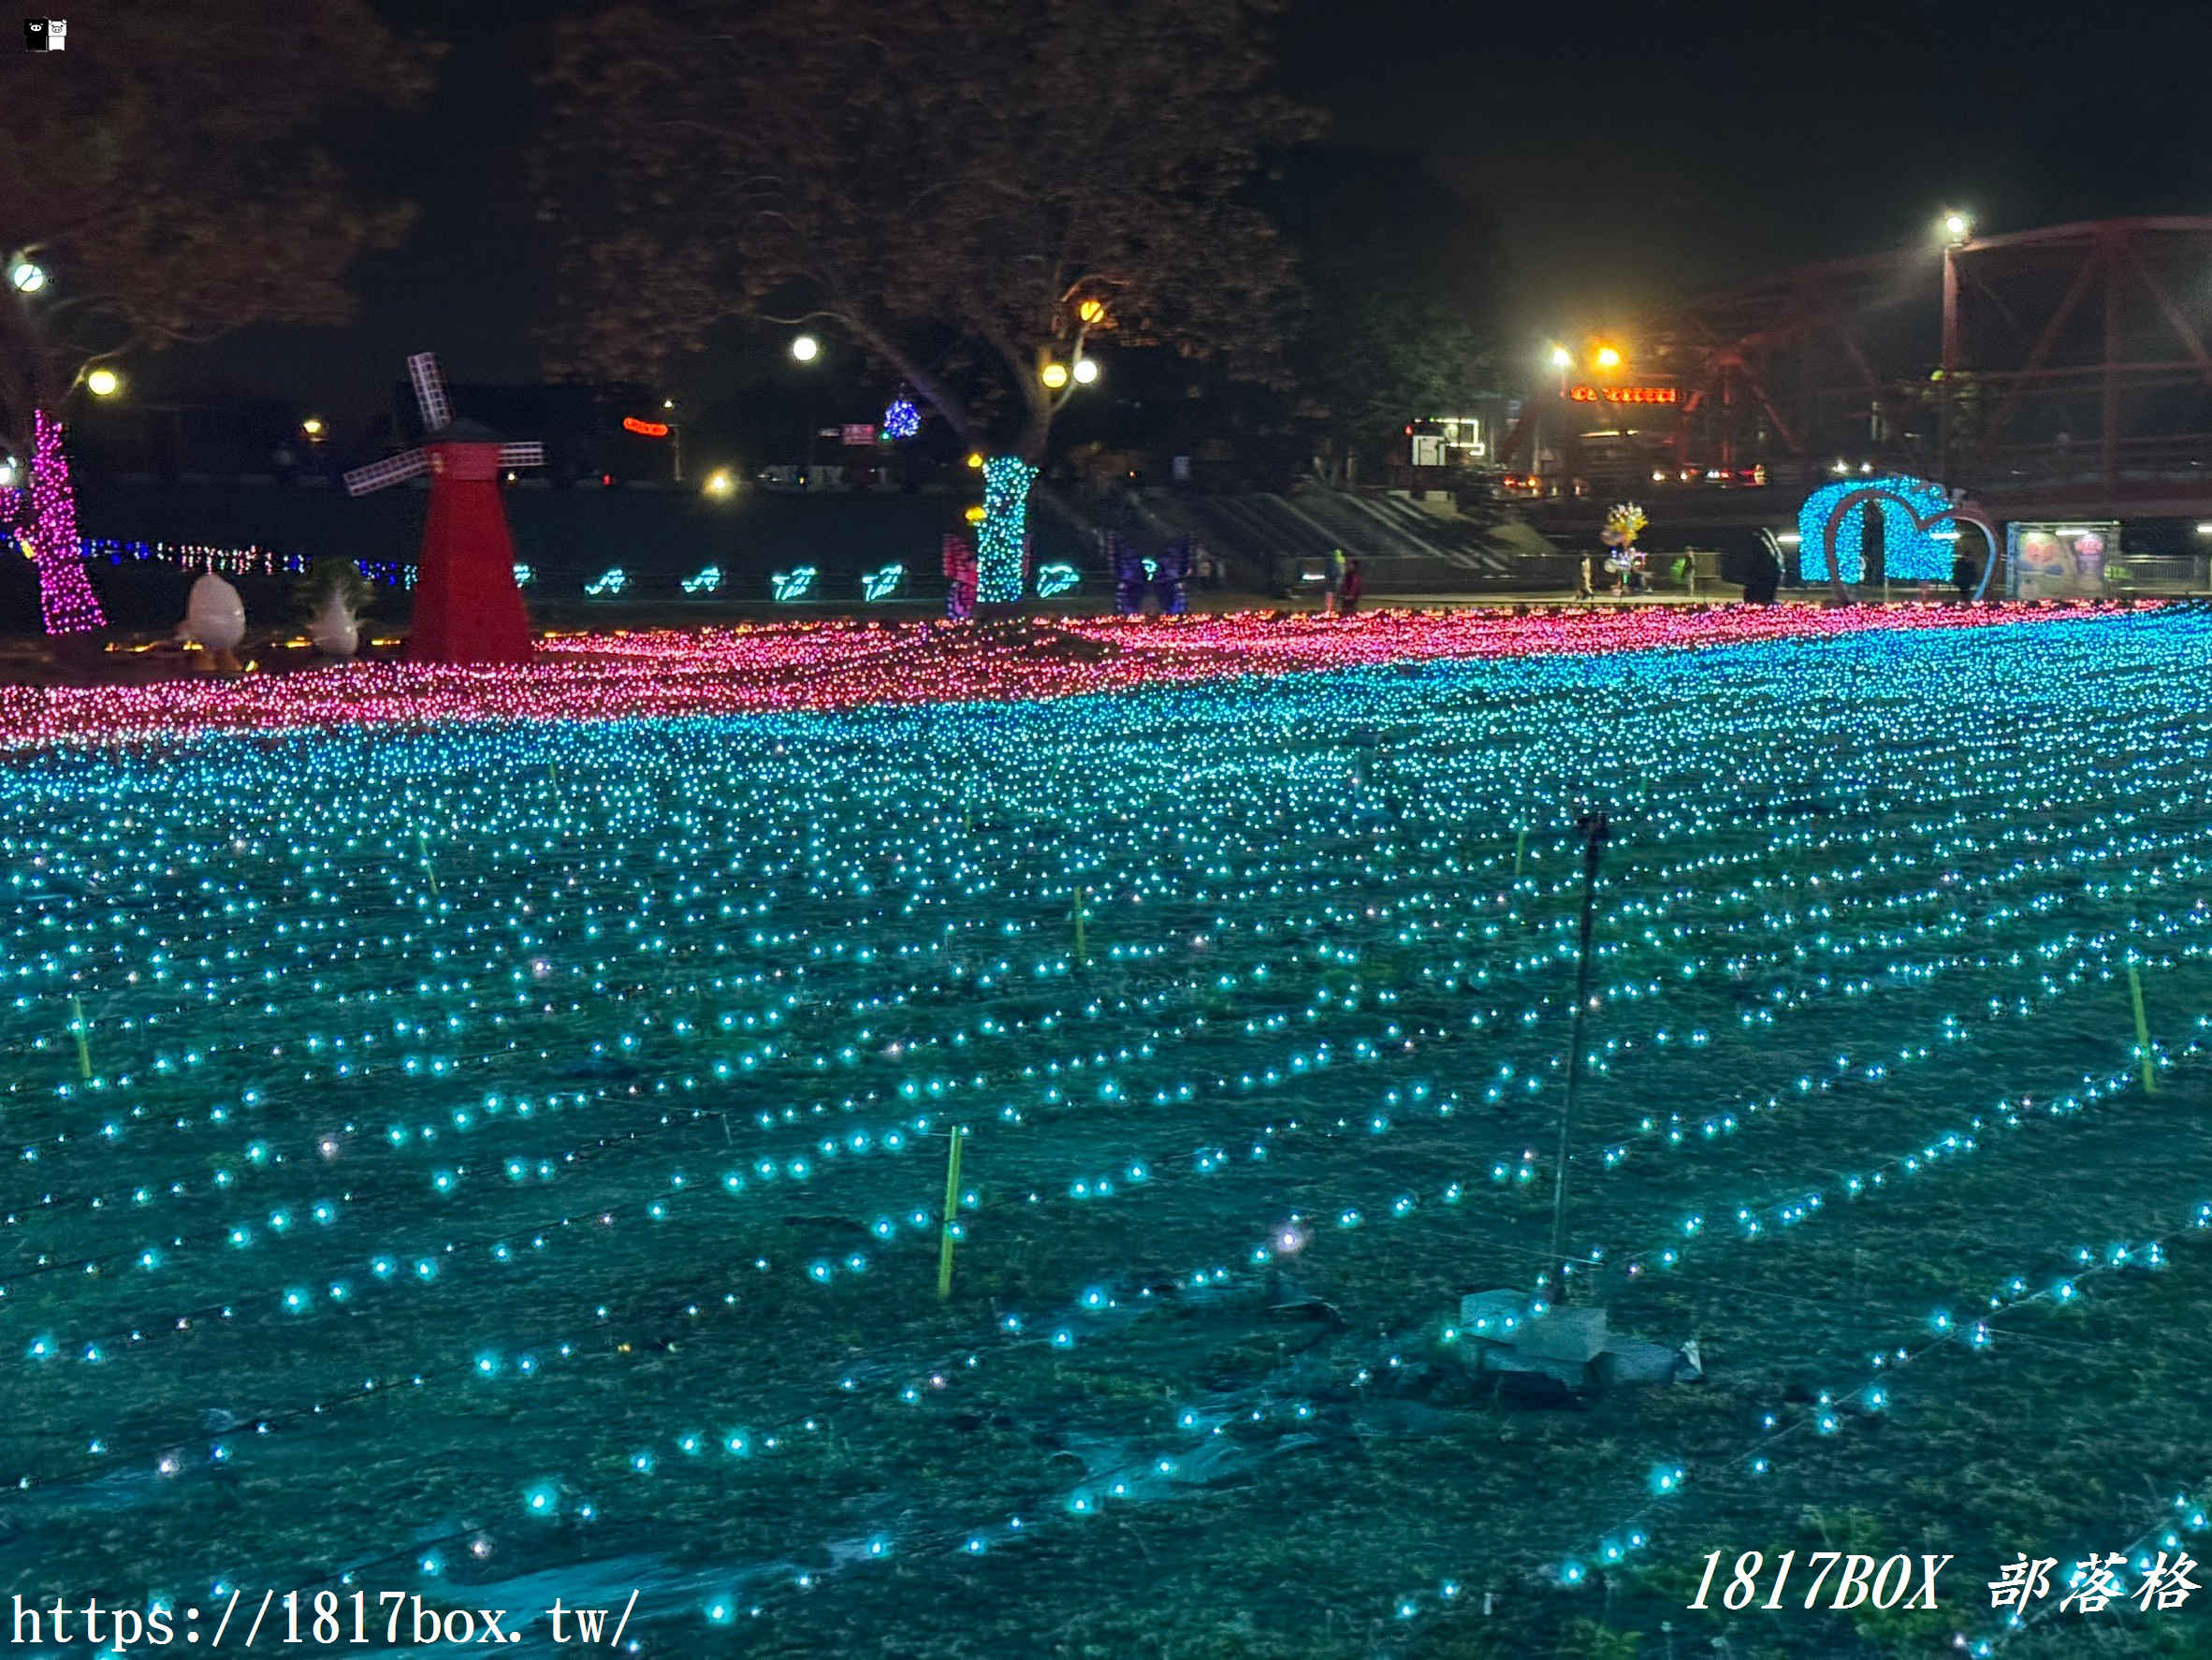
(44, 516)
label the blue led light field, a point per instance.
(510, 1160)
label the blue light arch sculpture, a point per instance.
(1831, 528)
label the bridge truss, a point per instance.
(2064, 368)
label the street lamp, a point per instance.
(1086, 371)
(313, 426)
(721, 482)
(1053, 375)
(1957, 227)
(676, 440)
(103, 383)
(27, 277)
(1608, 357)
(805, 348)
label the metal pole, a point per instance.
(2109, 417)
(1950, 362)
(1595, 833)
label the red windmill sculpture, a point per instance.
(467, 606)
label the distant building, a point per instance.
(1437, 452)
(242, 435)
(581, 425)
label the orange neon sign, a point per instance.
(1625, 394)
(644, 428)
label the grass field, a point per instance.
(507, 1157)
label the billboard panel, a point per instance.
(2059, 561)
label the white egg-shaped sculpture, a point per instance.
(335, 630)
(214, 616)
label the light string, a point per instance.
(814, 665)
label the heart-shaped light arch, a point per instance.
(1925, 505)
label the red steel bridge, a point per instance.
(2060, 372)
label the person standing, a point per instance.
(1762, 577)
(1347, 600)
(1966, 574)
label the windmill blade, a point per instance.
(430, 392)
(531, 454)
(392, 469)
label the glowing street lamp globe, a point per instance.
(27, 277)
(103, 383)
(1957, 227)
(1053, 375)
(1562, 357)
(1086, 371)
(806, 348)
(1608, 357)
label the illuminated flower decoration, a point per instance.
(901, 419)
(1624, 525)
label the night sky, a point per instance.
(1629, 153)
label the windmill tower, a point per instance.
(467, 607)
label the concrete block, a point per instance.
(1576, 1334)
(1630, 1359)
(1502, 1358)
(1494, 1317)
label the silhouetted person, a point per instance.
(1966, 574)
(1762, 577)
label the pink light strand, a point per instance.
(832, 665)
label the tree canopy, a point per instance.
(168, 178)
(1403, 275)
(971, 190)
